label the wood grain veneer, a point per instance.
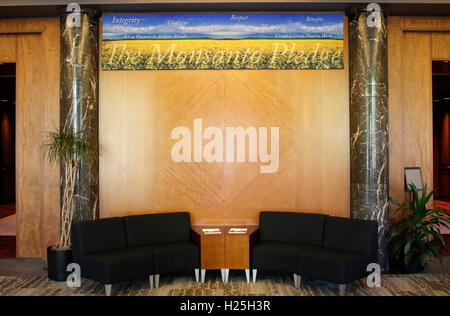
(212, 248)
(139, 109)
(413, 44)
(238, 247)
(34, 45)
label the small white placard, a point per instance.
(211, 231)
(237, 231)
(413, 176)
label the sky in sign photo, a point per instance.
(223, 26)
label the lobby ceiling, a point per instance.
(33, 8)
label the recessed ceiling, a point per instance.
(27, 8)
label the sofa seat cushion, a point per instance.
(116, 266)
(353, 235)
(97, 236)
(331, 265)
(156, 229)
(280, 257)
(175, 257)
(289, 227)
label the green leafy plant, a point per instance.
(69, 149)
(417, 235)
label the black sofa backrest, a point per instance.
(158, 228)
(352, 235)
(301, 228)
(97, 236)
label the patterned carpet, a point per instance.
(183, 285)
(442, 204)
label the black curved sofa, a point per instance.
(113, 250)
(318, 246)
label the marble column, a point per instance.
(369, 123)
(79, 100)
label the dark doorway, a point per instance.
(7, 160)
(7, 132)
(441, 130)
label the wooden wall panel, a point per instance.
(139, 109)
(441, 45)
(417, 103)
(50, 192)
(424, 24)
(260, 98)
(410, 107)
(28, 117)
(396, 155)
(322, 143)
(413, 43)
(22, 26)
(7, 48)
(37, 111)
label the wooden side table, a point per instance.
(225, 251)
(212, 249)
(237, 250)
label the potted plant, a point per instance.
(69, 149)
(415, 238)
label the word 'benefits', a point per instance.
(230, 146)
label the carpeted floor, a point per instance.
(7, 209)
(7, 230)
(442, 204)
(445, 205)
(183, 285)
(8, 225)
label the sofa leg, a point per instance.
(297, 281)
(224, 273)
(341, 289)
(247, 275)
(197, 274)
(150, 279)
(108, 289)
(254, 275)
(227, 273)
(203, 272)
(156, 281)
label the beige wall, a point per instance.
(33, 44)
(139, 109)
